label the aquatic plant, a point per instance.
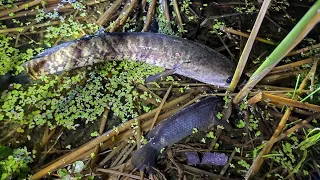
(14, 165)
(54, 103)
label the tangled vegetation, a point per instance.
(60, 102)
(14, 164)
(72, 101)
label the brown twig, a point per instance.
(277, 114)
(205, 21)
(119, 173)
(121, 166)
(224, 44)
(141, 175)
(214, 141)
(150, 13)
(65, 9)
(271, 88)
(122, 19)
(45, 133)
(106, 16)
(230, 30)
(283, 93)
(143, 5)
(303, 50)
(177, 11)
(18, 29)
(103, 123)
(257, 163)
(4, 6)
(294, 128)
(20, 7)
(138, 135)
(112, 153)
(165, 8)
(124, 151)
(160, 107)
(170, 156)
(290, 66)
(8, 135)
(282, 101)
(247, 49)
(46, 138)
(104, 119)
(269, 79)
(163, 177)
(313, 72)
(122, 169)
(225, 167)
(154, 95)
(38, 148)
(125, 156)
(50, 8)
(199, 171)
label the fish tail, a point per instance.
(145, 158)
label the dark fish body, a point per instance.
(199, 115)
(186, 57)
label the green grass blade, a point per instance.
(307, 22)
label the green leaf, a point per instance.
(94, 134)
(62, 172)
(78, 166)
(5, 152)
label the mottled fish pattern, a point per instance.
(199, 115)
(185, 57)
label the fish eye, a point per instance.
(229, 79)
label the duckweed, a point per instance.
(60, 101)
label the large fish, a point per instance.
(180, 56)
(199, 115)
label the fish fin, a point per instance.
(157, 76)
(145, 158)
(165, 73)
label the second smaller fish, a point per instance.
(199, 115)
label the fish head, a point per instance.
(217, 73)
(221, 80)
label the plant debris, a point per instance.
(87, 123)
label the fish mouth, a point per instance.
(219, 82)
